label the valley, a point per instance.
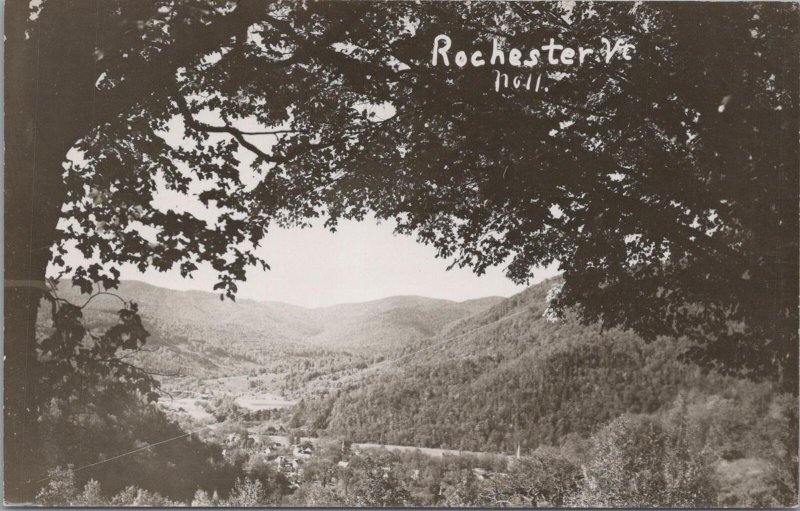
(410, 376)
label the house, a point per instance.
(303, 453)
(287, 465)
(480, 473)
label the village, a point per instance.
(288, 455)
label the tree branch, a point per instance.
(102, 293)
(193, 123)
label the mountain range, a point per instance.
(203, 335)
(492, 375)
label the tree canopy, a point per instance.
(663, 185)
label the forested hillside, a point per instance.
(509, 377)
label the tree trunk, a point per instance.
(48, 97)
(51, 102)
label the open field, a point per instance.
(428, 451)
(192, 402)
(263, 401)
(187, 405)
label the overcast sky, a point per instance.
(362, 261)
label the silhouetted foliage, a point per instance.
(97, 404)
(636, 180)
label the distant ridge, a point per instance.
(248, 326)
(138, 287)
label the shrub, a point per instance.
(637, 462)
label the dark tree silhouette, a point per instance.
(664, 185)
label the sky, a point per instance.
(360, 262)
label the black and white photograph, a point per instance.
(374, 253)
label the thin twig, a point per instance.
(103, 293)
